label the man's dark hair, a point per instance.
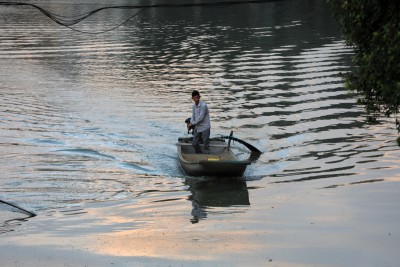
(195, 93)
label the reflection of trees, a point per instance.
(215, 193)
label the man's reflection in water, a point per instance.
(198, 213)
(215, 192)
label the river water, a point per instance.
(89, 123)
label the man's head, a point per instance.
(196, 96)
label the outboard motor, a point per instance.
(187, 121)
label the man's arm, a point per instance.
(192, 118)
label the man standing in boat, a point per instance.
(200, 120)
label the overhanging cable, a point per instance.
(72, 20)
(31, 214)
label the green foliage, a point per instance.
(372, 27)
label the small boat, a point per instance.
(220, 161)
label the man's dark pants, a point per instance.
(205, 135)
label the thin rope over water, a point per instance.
(31, 214)
(69, 21)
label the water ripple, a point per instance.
(96, 118)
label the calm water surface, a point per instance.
(89, 122)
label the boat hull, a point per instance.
(221, 161)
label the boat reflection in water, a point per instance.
(215, 192)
